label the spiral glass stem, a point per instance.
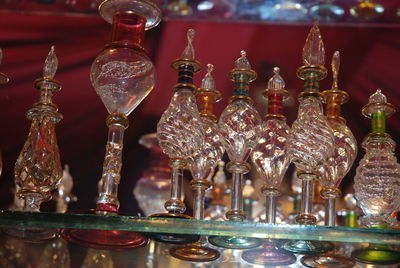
(108, 200)
(175, 203)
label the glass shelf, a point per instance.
(184, 226)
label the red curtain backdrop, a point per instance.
(369, 60)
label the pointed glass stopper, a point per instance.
(335, 69)
(188, 52)
(242, 62)
(208, 81)
(377, 97)
(314, 51)
(50, 65)
(276, 82)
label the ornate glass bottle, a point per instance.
(377, 180)
(122, 76)
(202, 164)
(337, 166)
(38, 168)
(180, 134)
(271, 160)
(239, 127)
(310, 141)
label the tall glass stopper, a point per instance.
(38, 167)
(314, 50)
(377, 180)
(3, 78)
(180, 130)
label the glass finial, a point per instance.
(377, 97)
(50, 65)
(276, 82)
(242, 62)
(188, 53)
(314, 51)
(335, 69)
(208, 81)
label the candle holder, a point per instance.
(38, 168)
(180, 134)
(271, 160)
(377, 180)
(239, 139)
(337, 166)
(202, 164)
(122, 76)
(310, 141)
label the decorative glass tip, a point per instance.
(208, 81)
(335, 69)
(50, 65)
(1, 55)
(188, 52)
(242, 62)
(314, 51)
(377, 97)
(276, 82)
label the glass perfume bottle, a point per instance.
(122, 76)
(180, 134)
(337, 166)
(239, 127)
(377, 180)
(153, 187)
(367, 10)
(202, 164)
(3, 78)
(217, 209)
(271, 160)
(327, 11)
(38, 168)
(310, 141)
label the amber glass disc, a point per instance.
(305, 247)
(267, 257)
(194, 253)
(32, 234)
(173, 238)
(376, 256)
(327, 260)
(235, 242)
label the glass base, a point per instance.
(173, 238)
(305, 247)
(194, 253)
(327, 260)
(235, 242)
(104, 239)
(376, 256)
(268, 257)
(32, 234)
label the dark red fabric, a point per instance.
(369, 60)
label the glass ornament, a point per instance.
(38, 168)
(122, 76)
(271, 161)
(239, 126)
(377, 181)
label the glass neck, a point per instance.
(378, 122)
(205, 103)
(241, 84)
(185, 74)
(275, 100)
(128, 30)
(333, 109)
